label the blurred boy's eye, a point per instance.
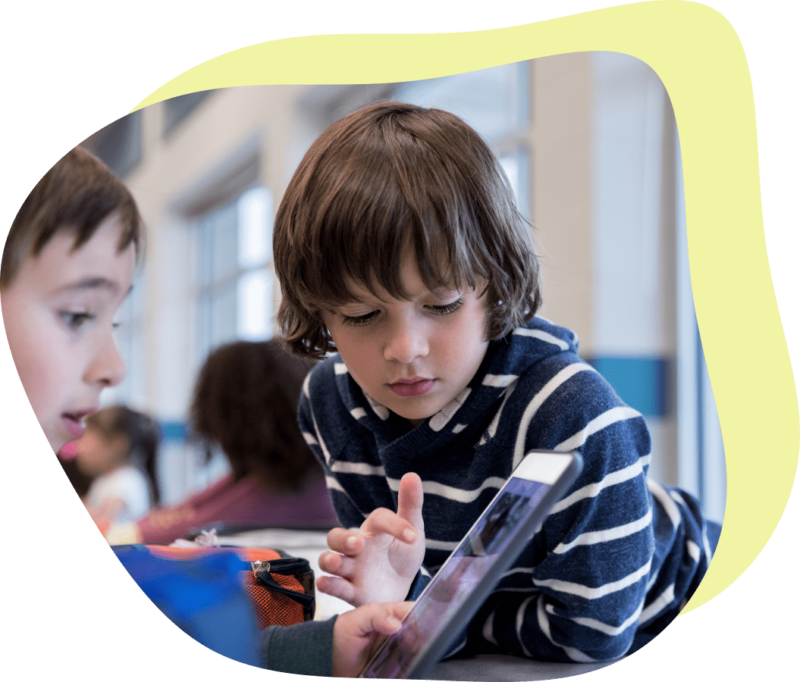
(75, 321)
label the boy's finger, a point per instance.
(384, 521)
(387, 619)
(336, 564)
(337, 587)
(345, 541)
(409, 500)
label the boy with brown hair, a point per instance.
(398, 246)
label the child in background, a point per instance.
(398, 245)
(67, 266)
(119, 448)
(245, 402)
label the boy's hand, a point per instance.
(378, 562)
(358, 633)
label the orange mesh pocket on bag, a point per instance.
(273, 608)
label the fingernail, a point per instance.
(410, 535)
(392, 623)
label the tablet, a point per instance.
(471, 572)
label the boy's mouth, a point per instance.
(409, 388)
(73, 422)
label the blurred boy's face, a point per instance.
(416, 356)
(58, 314)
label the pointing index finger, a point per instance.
(410, 497)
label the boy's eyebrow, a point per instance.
(94, 283)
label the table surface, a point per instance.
(486, 668)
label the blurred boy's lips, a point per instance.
(82, 414)
(73, 422)
(74, 427)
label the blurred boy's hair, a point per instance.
(76, 196)
(392, 177)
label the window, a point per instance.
(700, 447)
(130, 339)
(234, 297)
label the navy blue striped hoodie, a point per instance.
(617, 557)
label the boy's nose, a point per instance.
(405, 344)
(107, 367)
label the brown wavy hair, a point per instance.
(245, 400)
(76, 195)
(385, 178)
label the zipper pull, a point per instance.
(259, 567)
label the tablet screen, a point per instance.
(457, 578)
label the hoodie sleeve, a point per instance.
(300, 649)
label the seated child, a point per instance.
(119, 447)
(398, 246)
(67, 266)
(245, 401)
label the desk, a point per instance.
(497, 668)
(487, 668)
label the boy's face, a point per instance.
(416, 356)
(58, 315)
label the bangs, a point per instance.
(379, 209)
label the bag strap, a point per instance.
(263, 570)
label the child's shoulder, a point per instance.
(555, 399)
(327, 392)
(322, 377)
(544, 356)
(536, 350)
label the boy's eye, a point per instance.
(359, 320)
(75, 321)
(356, 321)
(447, 309)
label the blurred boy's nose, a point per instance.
(107, 367)
(406, 342)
